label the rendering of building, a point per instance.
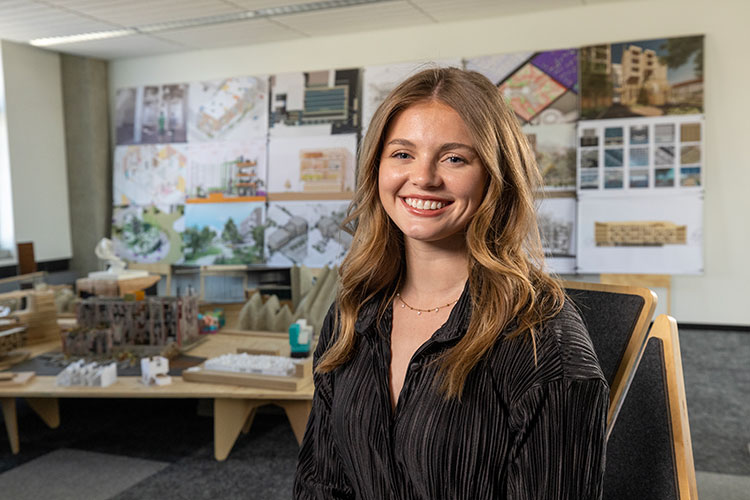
(639, 233)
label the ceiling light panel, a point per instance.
(392, 14)
(231, 34)
(113, 48)
(451, 10)
(135, 13)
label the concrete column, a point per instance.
(89, 158)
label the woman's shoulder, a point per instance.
(566, 338)
(561, 349)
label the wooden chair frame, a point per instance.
(665, 329)
(636, 344)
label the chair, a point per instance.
(617, 318)
(649, 452)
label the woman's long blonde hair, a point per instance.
(507, 283)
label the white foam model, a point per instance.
(87, 374)
(154, 371)
(115, 265)
(252, 363)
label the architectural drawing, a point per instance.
(312, 164)
(150, 175)
(541, 87)
(554, 147)
(306, 233)
(648, 232)
(641, 234)
(230, 109)
(227, 171)
(223, 233)
(163, 114)
(557, 227)
(644, 78)
(315, 103)
(635, 154)
(148, 234)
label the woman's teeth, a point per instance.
(424, 204)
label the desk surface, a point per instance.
(131, 387)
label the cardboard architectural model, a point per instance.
(105, 324)
(34, 309)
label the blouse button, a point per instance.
(414, 367)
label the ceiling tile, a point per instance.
(358, 18)
(144, 12)
(231, 34)
(22, 21)
(452, 10)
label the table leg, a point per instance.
(230, 417)
(297, 411)
(249, 420)
(11, 423)
(48, 410)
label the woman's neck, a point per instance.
(435, 272)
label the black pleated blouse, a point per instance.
(519, 432)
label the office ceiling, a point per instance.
(152, 27)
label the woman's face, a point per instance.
(431, 179)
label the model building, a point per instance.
(108, 323)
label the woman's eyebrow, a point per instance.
(456, 145)
(401, 142)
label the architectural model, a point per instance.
(106, 324)
(87, 374)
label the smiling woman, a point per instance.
(451, 365)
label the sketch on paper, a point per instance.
(227, 171)
(312, 164)
(541, 87)
(555, 151)
(315, 103)
(645, 232)
(148, 234)
(556, 218)
(378, 81)
(306, 233)
(229, 109)
(150, 175)
(643, 78)
(223, 233)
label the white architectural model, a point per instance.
(87, 374)
(260, 364)
(115, 265)
(154, 371)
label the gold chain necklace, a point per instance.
(420, 311)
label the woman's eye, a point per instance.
(401, 155)
(455, 159)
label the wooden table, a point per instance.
(234, 406)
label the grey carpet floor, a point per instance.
(178, 442)
(66, 474)
(717, 386)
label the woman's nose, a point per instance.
(425, 173)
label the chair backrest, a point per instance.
(649, 453)
(617, 318)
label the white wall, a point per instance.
(36, 149)
(720, 296)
